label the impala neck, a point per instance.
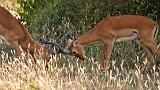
(29, 40)
(88, 38)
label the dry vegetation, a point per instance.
(68, 73)
(11, 6)
(73, 74)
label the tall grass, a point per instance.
(68, 73)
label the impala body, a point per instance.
(16, 35)
(115, 29)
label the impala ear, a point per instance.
(74, 42)
(69, 43)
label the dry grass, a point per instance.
(11, 5)
(67, 73)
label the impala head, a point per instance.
(75, 49)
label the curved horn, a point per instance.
(62, 50)
(65, 34)
(59, 49)
(46, 42)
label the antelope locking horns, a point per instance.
(71, 42)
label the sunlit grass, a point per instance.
(68, 73)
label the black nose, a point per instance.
(74, 52)
(82, 59)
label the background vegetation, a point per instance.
(50, 18)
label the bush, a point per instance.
(50, 18)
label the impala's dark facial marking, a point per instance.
(76, 49)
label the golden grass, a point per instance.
(67, 73)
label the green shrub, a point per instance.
(50, 18)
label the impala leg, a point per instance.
(149, 56)
(147, 51)
(149, 41)
(102, 56)
(153, 47)
(17, 48)
(44, 56)
(109, 51)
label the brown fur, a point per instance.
(111, 29)
(18, 37)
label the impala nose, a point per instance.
(82, 58)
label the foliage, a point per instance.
(50, 18)
(55, 16)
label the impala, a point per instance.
(15, 34)
(115, 29)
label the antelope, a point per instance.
(115, 29)
(16, 35)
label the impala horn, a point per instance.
(59, 44)
(58, 48)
